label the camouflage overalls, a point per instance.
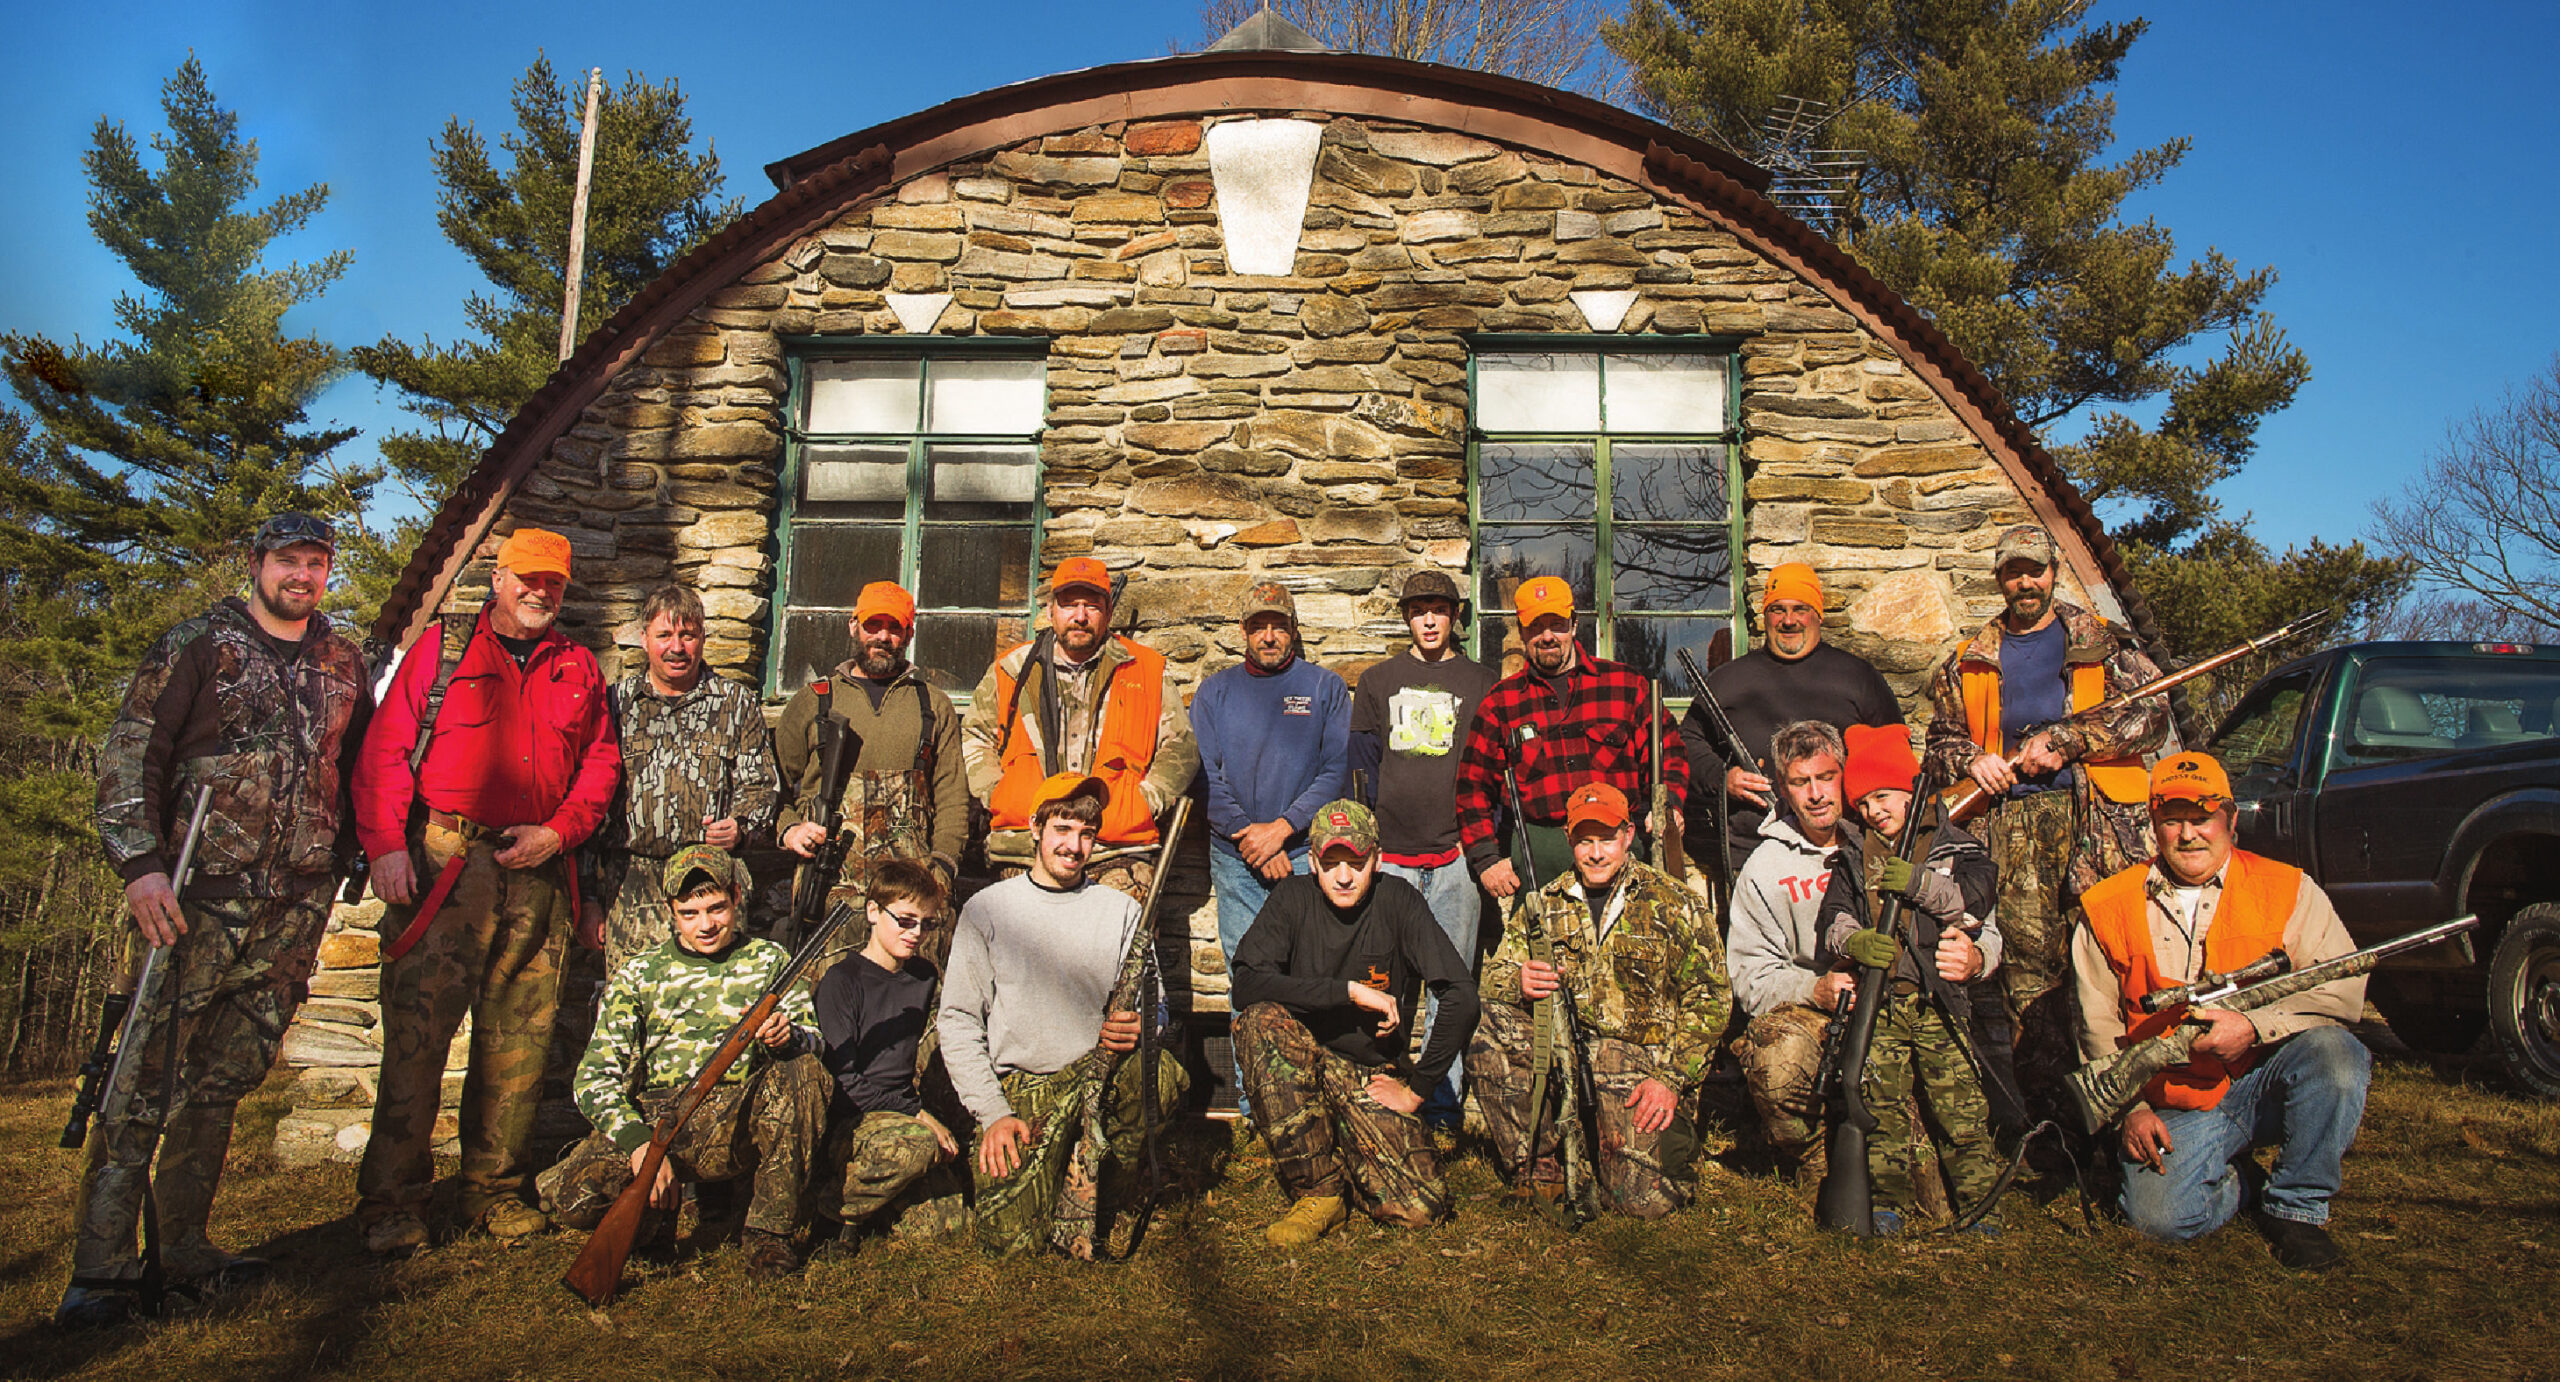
(2053, 845)
(698, 757)
(1328, 1135)
(215, 702)
(1018, 1213)
(906, 798)
(1648, 979)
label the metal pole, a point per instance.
(578, 214)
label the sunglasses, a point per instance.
(908, 922)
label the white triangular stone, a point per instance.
(1263, 170)
(1604, 308)
(917, 312)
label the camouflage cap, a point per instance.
(288, 529)
(1344, 823)
(1429, 584)
(2025, 542)
(1269, 597)
(718, 864)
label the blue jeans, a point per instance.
(1240, 892)
(2307, 1094)
(1457, 904)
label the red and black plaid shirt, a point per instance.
(1595, 733)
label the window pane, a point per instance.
(854, 481)
(1508, 555)
(1498, 638)
(1538, 393)
(1666, 393)
(832, 562)
(1661, 566)
(981, 482)
(1651, 646)
(955, 649)
(862, 395)
(979, 396)
(812, 646)
(1515, 482)
(981, 566)
(1685, 482)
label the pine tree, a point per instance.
(1986, 200)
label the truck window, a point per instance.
(2256, 744)
(2416, 707)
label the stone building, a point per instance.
(1244, 315)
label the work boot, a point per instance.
(769, 1256)
(2303, 1247)
(509, 1221)
(396, 1234)
(96, 1307)
(1311, 1218)
(206, 1269)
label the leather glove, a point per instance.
(1895, 876)
(1872, 949)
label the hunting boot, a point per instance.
(768, 1255)
(511, 1220)
(2303, 1247)
(191, 1155)
(1311, 1218)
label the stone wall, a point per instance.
(1209, 429)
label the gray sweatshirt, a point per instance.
(1030, 973)
(1777, 915)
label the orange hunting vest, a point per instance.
(2117, 779)
(2257, 896)
(1124, 748)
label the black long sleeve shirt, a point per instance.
(1302, 951)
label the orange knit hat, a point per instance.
(1879, 757)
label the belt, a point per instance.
(472, 833)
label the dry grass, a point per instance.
(2451, 1219)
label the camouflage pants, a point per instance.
(1645, 1174)
(1781, 1052)
(767, 1125)
(871, 1160)
(1015, 1212)
(1930, 1111)
(495, 952)
(2035, 842)
(637, 915)
(236, 978)
(1327, 1135)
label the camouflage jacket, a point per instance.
(215, 701)
(701, 756)
(1653, 974)
(2139, 728)
(663, 1016)
(908, 794)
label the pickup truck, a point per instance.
(2418, 782)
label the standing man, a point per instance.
(1586, 722)
(908, 794)
(261, 700)
(1409, 719)
(2287, 1074)
(697, 768)
(1075, 699)
(2014, 716)
(490, 782)
(1032, 973)
(1794, 676)
(1273, 732)
(1639, 954)
(1325, 988)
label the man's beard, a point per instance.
(879, 663)
(276, 603)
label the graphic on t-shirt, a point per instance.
(1423, 720)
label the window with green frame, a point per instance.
(1616, 468)
(915, 466)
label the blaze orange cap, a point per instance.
(885, 597)
(1060, 786)
(1793, 581)
(1597, 803)
(2190, 777)
(1541, 596)
(528, 550)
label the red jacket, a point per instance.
(530, 747)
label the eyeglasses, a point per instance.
(909, 922)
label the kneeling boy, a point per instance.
(872, 1012)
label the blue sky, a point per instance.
(2395, 167)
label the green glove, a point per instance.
(1895, 876)
(1872, 949)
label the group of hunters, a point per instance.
(1446, 882)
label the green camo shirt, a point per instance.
(664, 1014)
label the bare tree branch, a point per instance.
(2484, 516)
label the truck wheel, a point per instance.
(2524, 999)
(2428, 1017)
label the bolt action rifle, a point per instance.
(1729, 746)
(2101, 1089)
(1557, 1040)
(1666, 835)
(108, 1075)
(839, 747)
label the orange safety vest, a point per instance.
(1124, 748)
(2258, 894)
(2117, 779)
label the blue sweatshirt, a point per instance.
(1271, 747)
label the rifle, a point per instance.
(1666, 838)
(1558, 1039)
(597, 1273)
(2101, 1089)
(838, 749)
(116, 1062)
(1729, 743)
(1150, 1060)
(1968, 801)
(1847, 1198)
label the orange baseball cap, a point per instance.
(1060, 786)
(1087, 571)
(1541, 596)
(885, 597)
(2190, 777)
(528, 550)
(1793, 581)
(1596, 803)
